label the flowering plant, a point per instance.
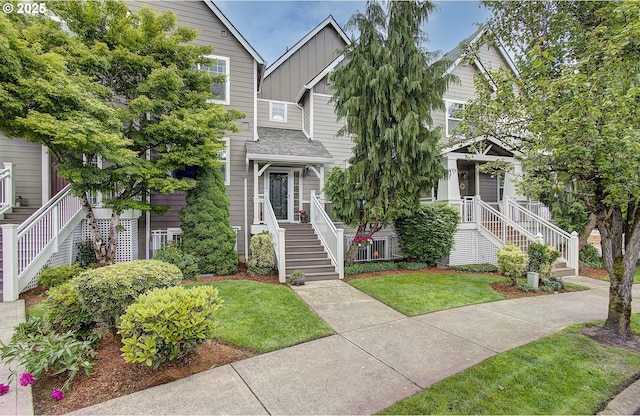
(303, 215)
(363, 240)
(4, 389)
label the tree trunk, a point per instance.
(112, 242)
(352, 253)
(588, 228)
(96, 235)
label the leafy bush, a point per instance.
(427, 235)
(65, 312)
(86, 256)
(542, 258)
(590, 256)
(478, 268)
(166, 324)
(297, 278)
(413, 266)
(525, 287)
(37, 351)
(553, 284)
(106, 292)
(187, 263)
(262, 255)
(370, 267)
(57, 275)
(206, 230)
(260, 271)
(512, 262)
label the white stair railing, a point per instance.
(501, 227)
(277, 234)
(552, 235)
(28, 246)
(332, 238)
(7, 195)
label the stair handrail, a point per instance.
(332, 238)
(511, 204)
(277, 233)
(6, 188)
(483, 207)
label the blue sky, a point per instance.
(272, 26)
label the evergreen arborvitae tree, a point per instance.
(385, 92)
(206, 232)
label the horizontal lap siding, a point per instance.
(27, 160)
(325, 129)
(294, 117)
(197, 15)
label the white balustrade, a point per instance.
(332, 238)
(277, 234)
(7, 195)
(501, 227)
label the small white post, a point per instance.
(10, 291)
(539, 238)
(282, 270)
(340, 253)
(476, 211)
(256, 210)
(574, 253)
(10, 190)
(312, 207)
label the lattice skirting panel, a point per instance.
(471, 247)
(127, 238)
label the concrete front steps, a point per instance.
(562, 269)
(16, 217)
(305, 252)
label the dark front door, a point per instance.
(279, 194)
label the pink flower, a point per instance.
(27, 379)
(57, 394)
(4, 389)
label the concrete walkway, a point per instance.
(18, 401)
(377, 357)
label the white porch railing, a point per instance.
(277, 234)
(382, 248)
(28, 246)
(536, 207)
(7, 194)
(160, 238)
(501, 227)
(552, 235)
(332, 238)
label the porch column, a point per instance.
(256, 199)
(10, 290)
(477, 178)
(449, 187)
(510, 179)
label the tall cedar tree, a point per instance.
(573, 113)
(385, 92)
(206, 231)
(120, 88)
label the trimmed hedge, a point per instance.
(512, 262)
(262, 255)
(65, 311)
(57, 275)
(478, 268)
(370, 267)
(106, 292)
(187, 263)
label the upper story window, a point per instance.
(277, 111)
(220, 66)
(224, 158)
(453, 115)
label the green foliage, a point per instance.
(106, 292)
(206, 231)
(481, 268)
(553, 284)
(427, 235)
(360, 268)
(541, 259)
(65, 312)
(186, 262)
(590, 256)
(297, 278)
(37, 351)
(169, 323)
(413, 265)
(525, 287)
(261, 271)
(262, 255)
(86, 257)
(57, 275)
(385, 93)
(512, 262)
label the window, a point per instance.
(219, 66)
(453, 116)
(277, 111)
(224, 160)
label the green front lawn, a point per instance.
(417, 294)
(265, 317)
(566, 373)
(636, 276)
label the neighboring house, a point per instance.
(276, 165)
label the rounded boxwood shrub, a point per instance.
(166, 324)
(427, 235)
(65, 312)
(106, 292)
(512, 262)
(187, 263)
(57, 275)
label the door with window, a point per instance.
(279, 194)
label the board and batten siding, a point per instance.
(242, 78)
(27, 162)
(294, 116)
(303, 65)
(326, 127)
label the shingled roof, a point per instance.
(286, 145)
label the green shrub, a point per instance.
(297, 278)
(427, 235)
(173, 254)
(86, 256)
(370, 267)
(260, 271)
(262, 254)
(206, 230)
(553, 284)
(57, 275)
(166, 324)
(512, 262)
(525, 287)
(65, 312)
(542, 259)
(590, 256)
(36, 351)
(106, 292)
(413, 266)
(477, 268)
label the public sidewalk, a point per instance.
(377, 357)
(18, 401)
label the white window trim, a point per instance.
(227, 171)
(446, 114)
(227, 84)
(271, 103)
